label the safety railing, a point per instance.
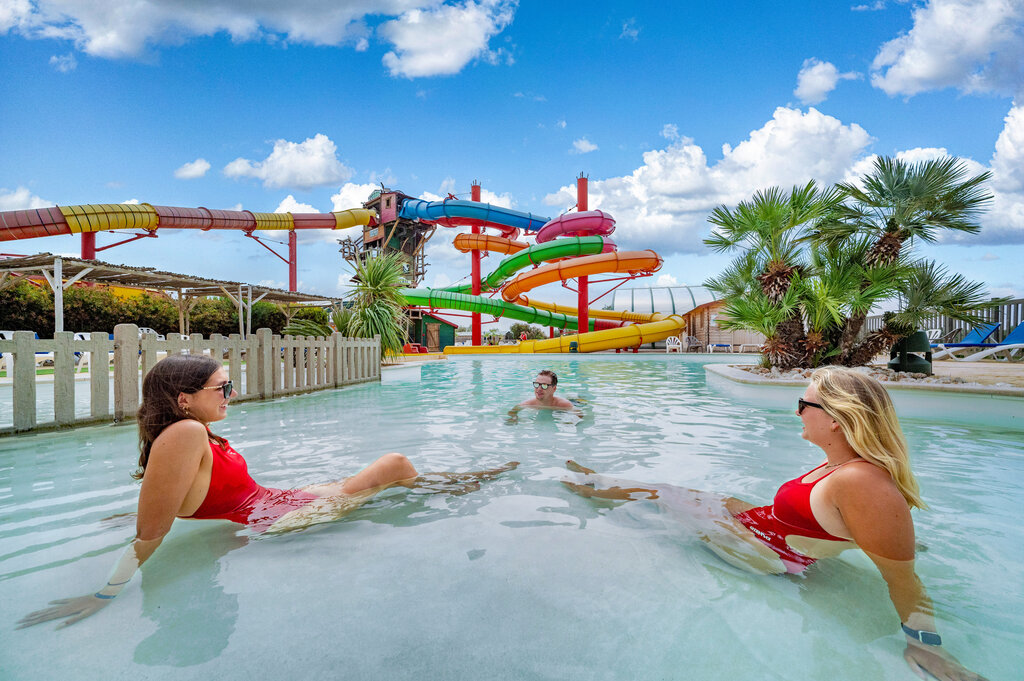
(262, 367)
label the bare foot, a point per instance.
(576, 468)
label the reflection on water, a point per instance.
(529, 580)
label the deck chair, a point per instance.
(934, 335)
(976, 338)
(1012, 344)
(673, 344)
(692, 343)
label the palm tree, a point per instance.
(378, 305)
(770, 228)
(896, 203)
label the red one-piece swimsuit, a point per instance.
(789, 514)
(235, 496)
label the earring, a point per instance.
(184, 408)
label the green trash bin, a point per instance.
(902, 357)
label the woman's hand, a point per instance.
(74, 609)
(934, 661)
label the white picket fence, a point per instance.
(262, 366)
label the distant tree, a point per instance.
(532, 332)
(24, 307)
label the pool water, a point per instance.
(518, 580)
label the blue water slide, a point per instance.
(454, 210)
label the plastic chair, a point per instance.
(1013, 342)
(692, 342)
(976, 338)
(673, 344)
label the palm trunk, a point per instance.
(790, 335)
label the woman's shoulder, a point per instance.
(864, 478)
(185, 431)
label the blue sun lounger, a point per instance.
(1013, 343)
(976, 338)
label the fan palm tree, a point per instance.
(770, 228)
(378, 305)
(896, 203)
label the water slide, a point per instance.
(57, 220)
(573, 245)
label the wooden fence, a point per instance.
(262, 367)
(1009, 315)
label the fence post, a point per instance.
(99, 374)
(335, 359)
(375, 359)
(126, 371)
(264, 359)
(63, 378)
(24, 372)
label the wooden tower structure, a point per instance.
(391, 233)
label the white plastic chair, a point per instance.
(673, 344)
(692, 342)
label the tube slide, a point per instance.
(453, 213)
(29, 224)
(587, 223)
(631, 262)
(465, 243)
(609, 339)
(449, 300)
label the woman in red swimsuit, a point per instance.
(188, 472)
(860, 496)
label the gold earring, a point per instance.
(184, 408)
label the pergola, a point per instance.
(61, 272)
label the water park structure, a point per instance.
(87, 220)
(569, 249)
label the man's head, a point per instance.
(545, 384)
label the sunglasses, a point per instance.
(802, 404)
(542, 386)
(227, 388)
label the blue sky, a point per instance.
(669, 108)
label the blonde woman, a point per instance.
(859, 497)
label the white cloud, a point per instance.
(561, 124)
(307, 164)
(670, 131)
(971, 45)
(629, 30)
(441, 39)
(130, 202)
(192, 170)
(290, 205)
(352, 195)
(874, 7)
(989, 257)
(65, 63)
(664, 203)
(1005, 222)
(818, 78)
(582, 146)
(429, 37)
(21, 198)
(666, 280)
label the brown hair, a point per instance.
(550, 374)
(171, 376)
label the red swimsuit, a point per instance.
(789, 514)
(235, 496)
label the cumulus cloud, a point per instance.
(290, 205)
(666, 280)
(1005, 222)
(664, 203)
(670, 131)
(193, 169)
(304, 165)
(442, 39)
(21, 199)
(818, 78)
(582, 146)
(65, 63)
(971, 45)
(352, 195)
(457, 32)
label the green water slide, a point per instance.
(570, 247)
(442, 299)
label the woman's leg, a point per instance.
(387, 470)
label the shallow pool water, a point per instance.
(518, 580)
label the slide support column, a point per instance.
(477, 331)
(583, 303)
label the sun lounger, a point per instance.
(976, 338)
(1009, 346)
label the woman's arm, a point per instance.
(879, 521)
(173, 464)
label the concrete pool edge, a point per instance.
(978, 405)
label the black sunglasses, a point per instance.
(544, 386)
(226, 387)
(802, 404)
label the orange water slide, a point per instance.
(626, 262)
(488, 242)
(572, 311)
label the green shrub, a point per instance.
(24, 307)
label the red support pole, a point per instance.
(293, 261)
(583, 299)
(88, 245)
(477, 330)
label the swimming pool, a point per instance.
(519, 580)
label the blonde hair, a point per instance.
(864, 411)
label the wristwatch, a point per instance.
(929, 638)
